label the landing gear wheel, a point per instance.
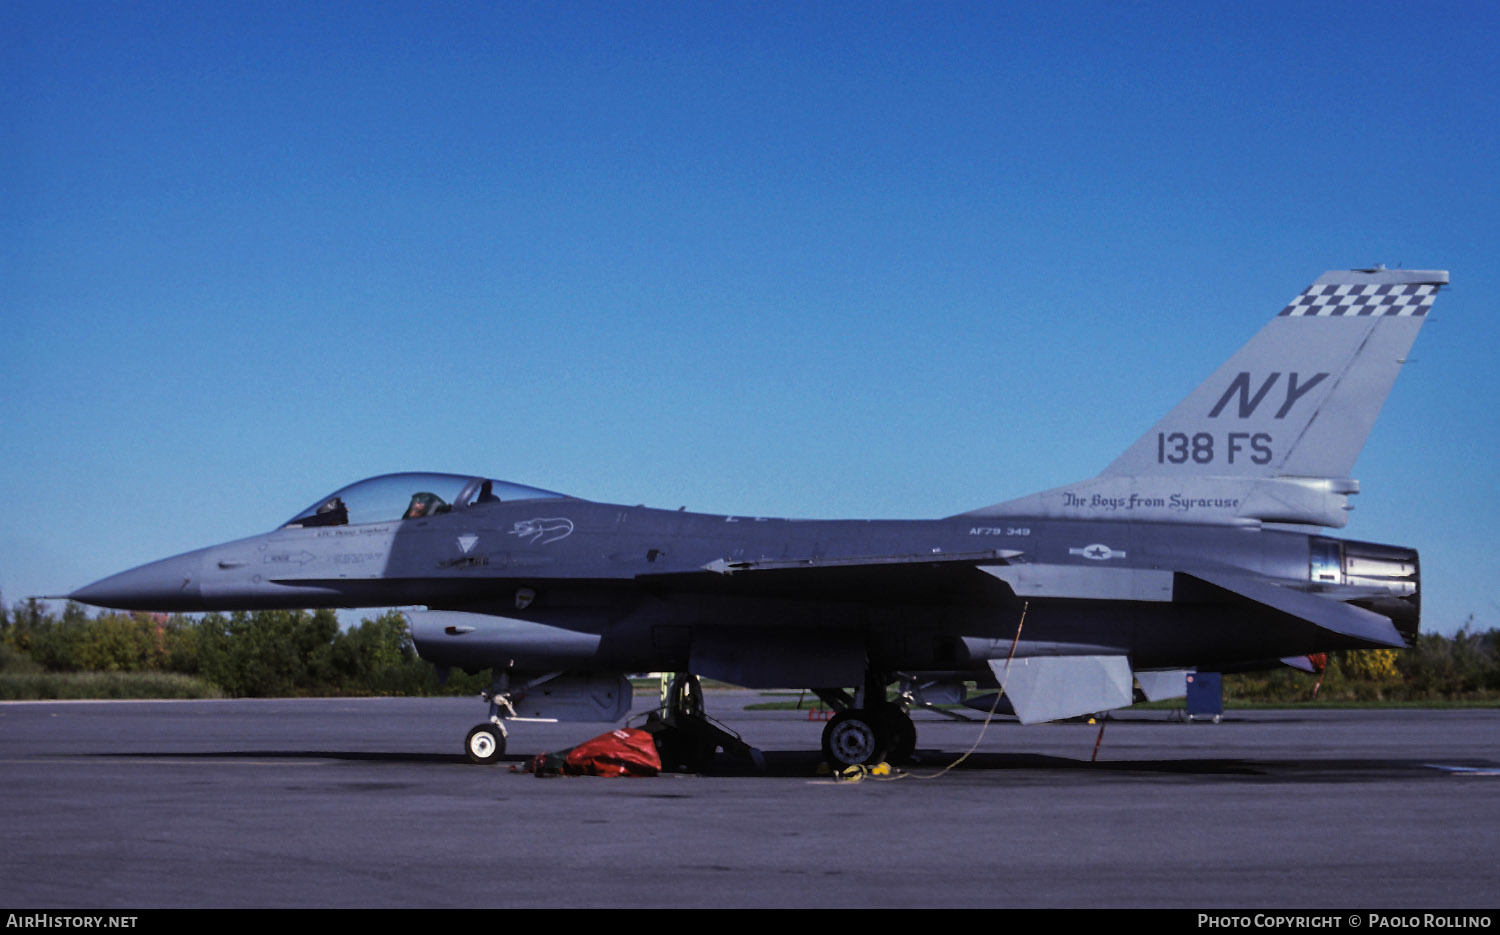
(900, 732)
(485, 744)
(853, 737)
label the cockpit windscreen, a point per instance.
(393, 497)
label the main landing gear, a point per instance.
(867, 728)
(686, 737)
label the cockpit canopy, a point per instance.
(392, 497)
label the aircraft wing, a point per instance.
(936, 577)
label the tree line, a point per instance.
(1437, 668)
(259, 654)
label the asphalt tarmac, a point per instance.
(370, 803)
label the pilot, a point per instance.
(332, 513)
(487, 493)
(425, 504)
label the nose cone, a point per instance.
(170, 584)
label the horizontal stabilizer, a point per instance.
(1332, 615)
(1046, 688)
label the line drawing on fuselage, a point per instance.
(542, 530)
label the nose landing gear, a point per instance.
(485, 743)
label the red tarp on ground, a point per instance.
(626, 752)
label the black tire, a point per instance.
(902, 733)
(484, 745)
(854, 737)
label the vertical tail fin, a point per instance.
(1274, 433)
(1300, 398)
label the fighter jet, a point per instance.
(1199, 548)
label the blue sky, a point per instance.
(802, 259)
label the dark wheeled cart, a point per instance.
(1205, 696)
